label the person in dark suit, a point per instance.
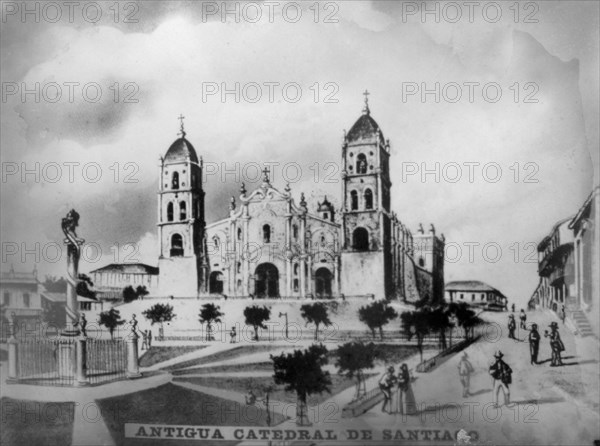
(502, 375)
(534, 343)
(512, 326)
(556, 345)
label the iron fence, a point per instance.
(106, 359)
(54, 362)
(46, 362)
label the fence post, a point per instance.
(133, 367)
(81, 355)
(13, 351)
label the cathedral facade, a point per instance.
(271, 246)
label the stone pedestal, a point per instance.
(66, 360)
(81, 378)
(13, 359)
(133, 368)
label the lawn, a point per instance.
(170, 404)
(265, 366)
(160, 354)
(36, 423)
(235, 352)
(244, 384)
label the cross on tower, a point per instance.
(266, 174)
(366, 108)
(181, 131)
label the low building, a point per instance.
(60, 300)
(21, 295)
(476, 294)
(110, 280)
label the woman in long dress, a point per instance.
(405, 398)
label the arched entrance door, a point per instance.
(323, 279)
(266, 281)
(215, 283)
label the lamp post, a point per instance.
(286, 323)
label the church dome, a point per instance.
(180, 150)
(364, 128)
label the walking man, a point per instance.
(534, 343)
(556, 345)
(512, 325)
(513, 307)
(563, 314)
(502, 375)
(232, 335)
(523, 319)
(149, 332)
(385, 384)
(144, 340)
(465, 369)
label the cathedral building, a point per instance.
(271, 246)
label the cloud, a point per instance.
(172, 57)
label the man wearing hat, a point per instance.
(534, 343)
(556, 345)
(465, 368)
(386, 383)
(502, 375)
(512, 325)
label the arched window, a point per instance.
(361, 163)
(368, 199)
(354, 200)
(421, 262)
(266, 229)
(170, 212)
(239, 267)
(182, 210)
(360, 239)
(295, 231)
(26, 301)
(216, 241)
(176, 245)
(239, 233)
(296, 269)
(175, 181)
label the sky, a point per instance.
(508, 146)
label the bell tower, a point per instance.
(182, 257)
(366, 225)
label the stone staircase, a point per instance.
(581, 322)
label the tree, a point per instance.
(316, 314)
(54, 314)
(376, 315)
(129, 294)
(111, 319)
(439, 321)
(466, 318)
(416, 323)
(84, 287)
(302, 372)
(209, 314)
(256, 316)
(159, 314)
(141, 291)
(353, 358)
(52, 284)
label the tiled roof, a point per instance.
(127, 268)
(469, 285)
